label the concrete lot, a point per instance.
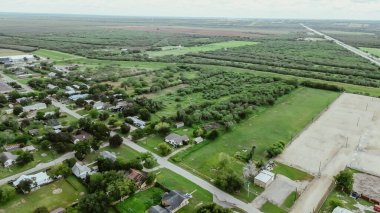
(347, 134)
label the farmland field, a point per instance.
(8, 52)
(373, 51)
(203, 48)
(55, 55)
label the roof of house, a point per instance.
(137, 121)
(38, 179)
(198, 139)
(108, 155)
(33, 131)
(177, 139)
(53, 122)
(265, 176)
(36, 106)
(138, 176)
(4, 156)
(4, 87)
(173, 199)
(157, 209)
(99, 105)
(29, 148)
(80, 170)
(78, 96)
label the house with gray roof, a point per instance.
(8, 159)
(171, 202)
(81, 171)
(176, 140)
(137, 122)
(108, 155)
(5, 88)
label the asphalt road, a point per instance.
(348, 47)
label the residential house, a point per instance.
(264, 178)
(51, 86)
(137, 122)
(176, 140)
(99, 105)
(179, 124)
(19, 100)
(8, 159)
(198, 140)
(11, 147)
(171, 202)
(54, 123)
(35, 107)
(38, 180)
(78, 96)
(5, 88)
(52, 74)
(82, 136)
(139, 177)
(81, 171)
(108, 155)
(120, 106)
(29, 148)
(69, 90)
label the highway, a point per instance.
(346, 46)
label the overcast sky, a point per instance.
(303, 9)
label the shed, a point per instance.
(264, 178)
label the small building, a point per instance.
(264, 178)
(11, 147)
(120, 106)
(38, 180)
(8, 159)
(33, 132)
(49, 114)
(35, 107)
(99, 105)
(108, 155)
(198, 140)
(139, 177)
(52, 74)
(22, 99)
(81, 171)
(137, 122)
(176, 140)
(82, 136)
(179, 124)
(54, 123)
(339, 209)
(78, 96)
(5, 88)
(51, 86)
(30, 148)
(171, 202)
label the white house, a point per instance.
(99, 105)
(176, 140)
(81, 171)
(264, 178)
(38, 180)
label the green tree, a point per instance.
(25, 186)
(116, 141)
(24, 158)
(213, 208)
(125, 128)
(41, 210)
(93, 113)
(17, 110)
(94, 203)
(81, 149)
(60, 170)
(144, 114)
(345, 180)
(162, 128)
(275, 149)
(164, 149)
(6, 193)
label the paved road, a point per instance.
(39, 167)
(163, 161)
(348, 47)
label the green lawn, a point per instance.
(269, 207)
(55, 55)
(141, 201)
(346, 201)
(174, 181)
(289, 116)
(289, 201)
(373, 51)
(5, 172)
(123, 152)
(291, 172)
(44, 197)
(151, 143)
(202, 48)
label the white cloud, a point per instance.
(320, 9)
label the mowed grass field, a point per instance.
(71, 191)
(123, 152)
(202, 48)
(141, 201)
(55, 55)
(281, 122)
(9, 52)
(373, 51)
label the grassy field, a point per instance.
(141, 201)
(8, 52)
(373, 51)
(44, 197)
(345, 200)
(121, 64)
(289, 201)
(55, 55)
(269, 207)
(123, 152)
(290, 115)
(291, 172)
(202, 48)
(174, 181)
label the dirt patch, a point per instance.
(367, 186)
(57, 191)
